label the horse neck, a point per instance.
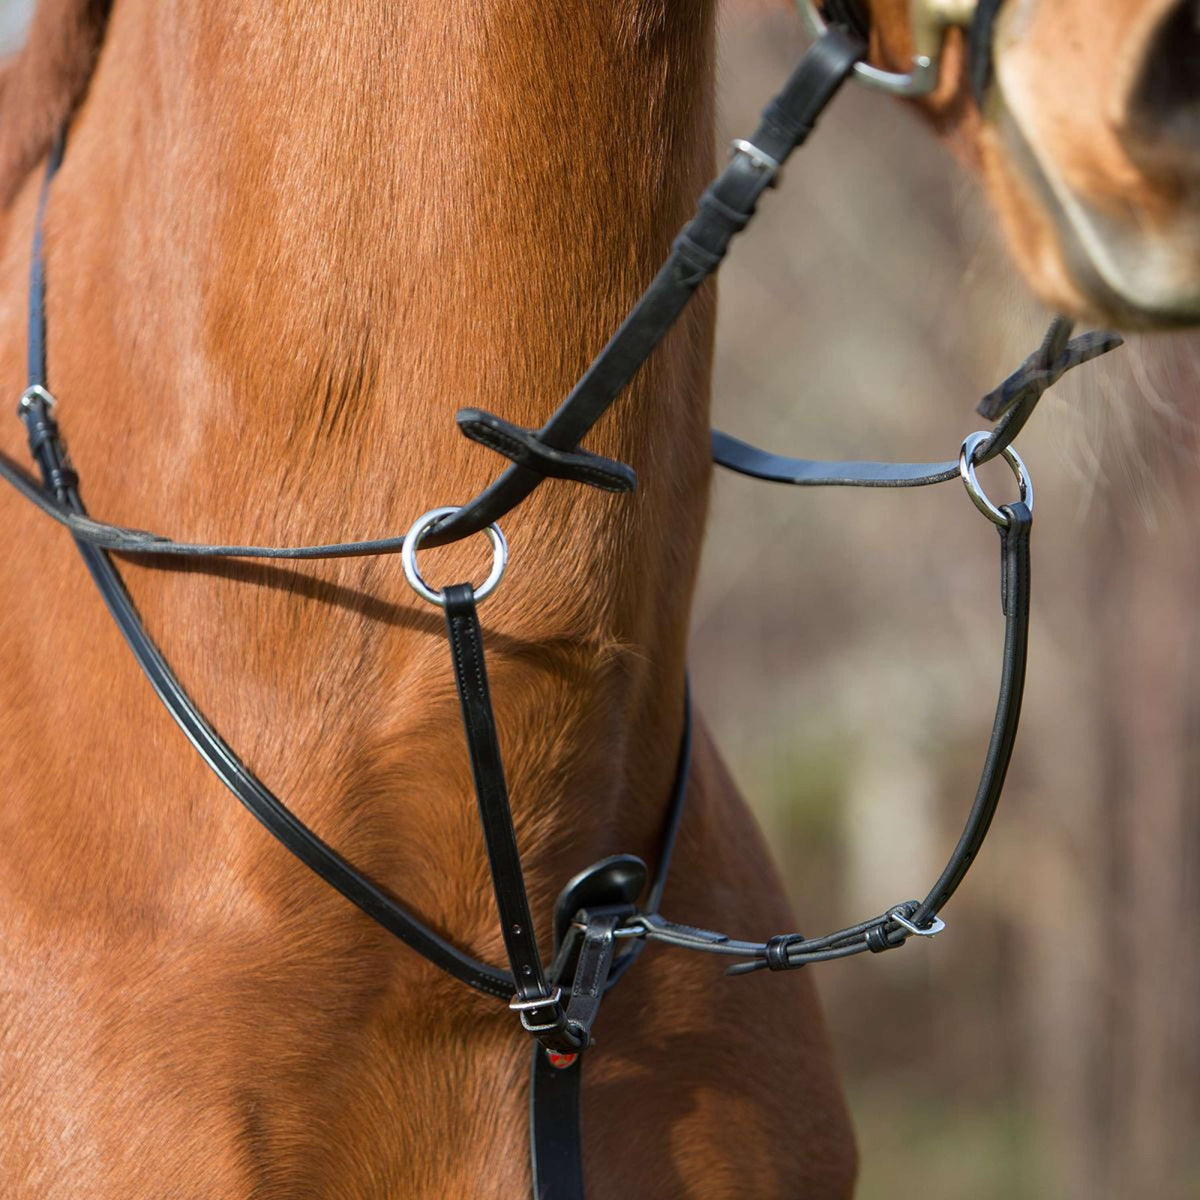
(284, 249)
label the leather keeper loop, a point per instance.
(734, 220)
(556, 1033)
(526, 449)
(776, 952)
(701, 261)
(877, 940)
(62, 479)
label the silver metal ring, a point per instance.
(33, 392)
(920, 81)
(966, 469)
(412, 543)
(936, 924)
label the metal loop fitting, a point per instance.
(930, 19)
(935, 926)
(760, 158)
(519, 1004)
(412, 543)
(33, 392)
(966, 469)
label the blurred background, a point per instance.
(846, 649)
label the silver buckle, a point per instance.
(33, 392)
(760, 158)
(519, 1005)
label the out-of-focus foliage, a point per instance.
(846, 648)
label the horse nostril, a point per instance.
(1164, 108)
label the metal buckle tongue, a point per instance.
(557, 1024)
(935, 926)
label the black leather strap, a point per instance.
(596, 951)
(980, 41)
(123, 540)
(1015, 584)
(542, 1013)
(48, 450)
(555, 1133)
(854, 16)
(724, 209)
(886, 932)
(1011, 403)
(1058, 354)
(526, 449)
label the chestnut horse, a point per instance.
(288, 241)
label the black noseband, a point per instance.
(979, 48)
(854, 16)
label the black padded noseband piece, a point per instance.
(854, 16)
(979, 48)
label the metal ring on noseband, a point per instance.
(412, 543)
(930, 20)
(966, 468)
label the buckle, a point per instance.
(524, 1008)
(760, 158)
(519, 1005)
(35, 393)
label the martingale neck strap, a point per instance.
(49, 452)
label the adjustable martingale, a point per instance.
(598, 911)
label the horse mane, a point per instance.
(44, 82)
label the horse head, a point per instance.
(1083, 119)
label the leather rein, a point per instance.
(605, 915)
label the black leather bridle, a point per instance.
(605, 915)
